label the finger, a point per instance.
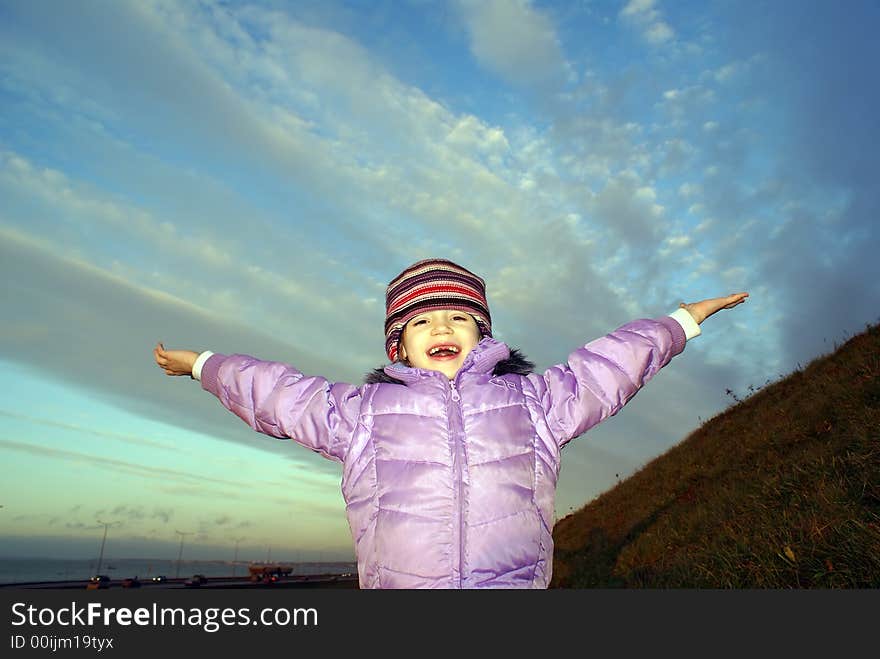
(736, 301)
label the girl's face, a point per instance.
(439, 340)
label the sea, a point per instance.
(36, 570)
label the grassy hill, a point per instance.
(782, 490)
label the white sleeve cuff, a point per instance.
(688, 324)
(200, 361)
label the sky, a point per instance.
(247, 177)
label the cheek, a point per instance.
(406, 348)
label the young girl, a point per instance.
(450, 454)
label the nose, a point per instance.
(441, 327)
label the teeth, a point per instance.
(437, 349)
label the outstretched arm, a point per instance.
(273, 398)
(601, 377)
(705, 308)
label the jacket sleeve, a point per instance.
(602, 376)
(278, 400)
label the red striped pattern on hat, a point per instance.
(431, 285)
(437, 288)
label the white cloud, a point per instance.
(643, 15)
(659, 33)
(727, 72)
(679, 241)
(514, 40)
(629, 208)
(689, 190)
(475, 137)
(686, 102)
(638, 8)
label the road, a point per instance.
(293, 581)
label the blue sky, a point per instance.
(247, 177)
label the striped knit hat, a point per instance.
(431, 285)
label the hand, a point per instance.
(705, 308)
(175, 362)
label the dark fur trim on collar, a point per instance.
(516, 363)
(379, 376)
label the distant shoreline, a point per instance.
(28, 572)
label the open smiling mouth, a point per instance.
(444, 351)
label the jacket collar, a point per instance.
(481, 359)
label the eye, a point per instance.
(420, 321)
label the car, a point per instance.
(195, 581)
(159, 578)
(98, 581)
(131, 582)
(272, 577)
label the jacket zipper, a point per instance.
(457, 430)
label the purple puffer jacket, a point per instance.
(450, 483)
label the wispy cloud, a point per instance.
(649, 20)
(128, 439)
(159, 474)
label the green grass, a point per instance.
(782, 490)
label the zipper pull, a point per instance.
(455, 395)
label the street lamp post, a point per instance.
(180, 553)
(103, 541)
(235, 560)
